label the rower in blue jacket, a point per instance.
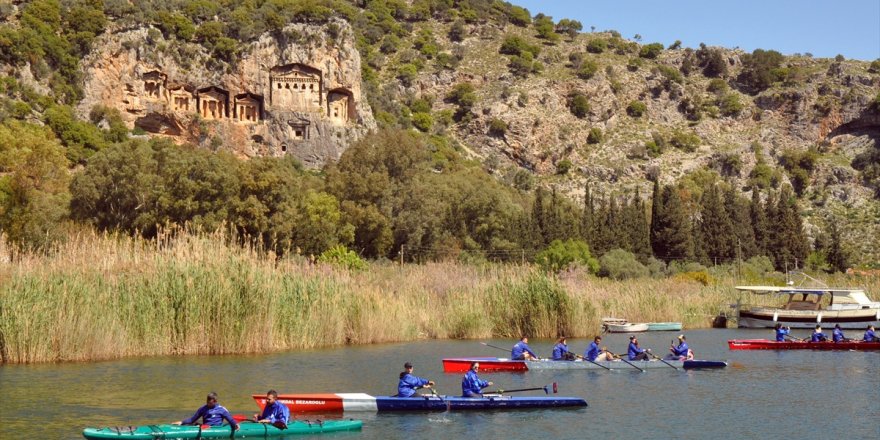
(781, 332)
(471, 384)
(594, 353)
(837, 334)
(409, 383)
(634, 352)
(274, 413)
(870, 336)
(560, 351)
(679, 352)
(817, 335)
(211, 414)
(521, 350)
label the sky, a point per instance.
(824, 28)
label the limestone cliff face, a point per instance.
(295, 93)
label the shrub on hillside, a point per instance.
(579, 105)
(515, 45)
(685, 141)
(620, 264)
(563, 166)
(560, 255)
(651, 51)
(587, 69)
(597, 45)
(636, 109)
(595, 136)
(730, 105)
(422, 121)
(875, 66)
(497, 127)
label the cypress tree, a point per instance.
(758, 218)
(674, 240)
(602, 236)
(744, 236)
(837, 257)
(538, 219)
(640, 235)
(715, 228)
(656, 209)
(588, 217)
(790, 243)
(614, 226)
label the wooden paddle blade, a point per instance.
(555, 389)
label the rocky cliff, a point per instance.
(297, 92)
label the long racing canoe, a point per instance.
(765, 344)
(348, 402)
(491, 365)
(249, 430)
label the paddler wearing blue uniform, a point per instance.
(594, 353)
(679, 352)
(837, 334)
(521, 350)
(471, 384)
(211, 414)
(409, 383)
(274, 413)
(781, 332)
(560, 351)
(817, 335)
(870, 336)
(634, 353)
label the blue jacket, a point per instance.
(818, 337)
(212, 416)
(682, 349)
(559, 351)
(592, 351)
(781, 333)
(837, 335)
(633, 350)
(471, 384)
(408, 385)
(518, 349)
(870, 336)
(276, 412)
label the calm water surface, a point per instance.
(786, 394)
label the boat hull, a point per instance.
(764, 344)
(461, 365)
(664, 326)
(354, 402)
(247, 430)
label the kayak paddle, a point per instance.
(545, 388)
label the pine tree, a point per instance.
(758, 218)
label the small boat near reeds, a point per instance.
(664, 326)
(628, 327)
(765, 344)
(497, 365)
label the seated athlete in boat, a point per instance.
(409, 383)
(817, 335)
(870, 336)
(521, 350)
(634, 352)
(837, 334)
(471, 384)
(274, 413)
(678, 352)
(560, 351)
(211, 414)
(781, 332)
(594, 353)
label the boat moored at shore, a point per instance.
(805, 308)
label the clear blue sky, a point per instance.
(824, 28)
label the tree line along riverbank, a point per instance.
(101, 296)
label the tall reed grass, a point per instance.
(101, 296)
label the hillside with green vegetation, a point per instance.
(502, 135)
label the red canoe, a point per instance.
(764, 344)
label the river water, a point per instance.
(762, 394)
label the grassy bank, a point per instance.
(104, 297)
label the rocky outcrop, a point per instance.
(295, 93)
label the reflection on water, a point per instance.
(767, 394)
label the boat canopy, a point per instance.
(841, 296)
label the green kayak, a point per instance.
(250, 430)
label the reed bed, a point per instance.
(102, 296)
